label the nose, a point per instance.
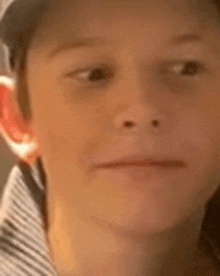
(140, 101)
(140, 117)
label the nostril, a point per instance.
(129, 124)
(155, 123)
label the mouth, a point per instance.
(143, 163)
(139, 171)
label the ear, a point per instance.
(14, 129)
(11, 120)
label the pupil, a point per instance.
(190, 68)
(96, 75)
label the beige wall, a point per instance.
(7, 159)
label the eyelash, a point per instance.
(194, 68)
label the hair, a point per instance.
(209, 240)
(17, 61)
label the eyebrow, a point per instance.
(79, 43)
(97, 41)
(180, 39)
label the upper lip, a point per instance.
(141, 161)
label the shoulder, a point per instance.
(23, 247)
(209, 241)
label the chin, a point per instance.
(143, 224)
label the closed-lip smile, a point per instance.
(141, 162)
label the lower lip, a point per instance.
(137, 174)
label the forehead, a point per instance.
(67, 19)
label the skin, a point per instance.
(105, 221)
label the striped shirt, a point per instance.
(23, 244)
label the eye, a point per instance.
(189, 68)
(90, 75)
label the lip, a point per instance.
(142, 162)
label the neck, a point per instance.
(90, 248)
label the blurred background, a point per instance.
(7, 159)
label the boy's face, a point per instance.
(94, 65)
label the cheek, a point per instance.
(200, 130)
(66, 130)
